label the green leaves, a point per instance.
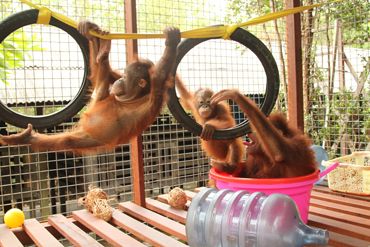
(14, 50)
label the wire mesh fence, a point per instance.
(337, 65)
(46, 73)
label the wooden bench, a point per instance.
(347, 218)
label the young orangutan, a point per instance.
(276, 150)
(114, 115)
(226, 155)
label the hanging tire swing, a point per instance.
(253, 44)
(19, 114)
(8, 113)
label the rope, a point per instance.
(223, 31)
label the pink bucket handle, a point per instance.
(329, 169)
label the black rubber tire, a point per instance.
(272, 84)
(28, 17)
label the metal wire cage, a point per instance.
(44, 183)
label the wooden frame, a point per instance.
(294, 60)
(137, 163)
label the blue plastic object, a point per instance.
(320, 155)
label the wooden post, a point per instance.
(136, 150)
(137, 168)
(294, 61)
(131, 27)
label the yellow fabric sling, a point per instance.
(221, 31)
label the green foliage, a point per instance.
(243, 10)
(330, 117)
(349, 115)
(345, 113)
(14, 52)
(353, 14)
(354, 17)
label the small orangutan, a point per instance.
(226, 155)
(122, 106)
(276, 150)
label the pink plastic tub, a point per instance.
(298, 188)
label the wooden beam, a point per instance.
(137, 167)
(136, 150)
(294, 61)
(131, 27)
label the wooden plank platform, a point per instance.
(70, 231)
(347, 217)
(8, 238)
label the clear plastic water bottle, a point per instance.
(225, 218)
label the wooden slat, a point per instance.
(328, 208)
(165, 209)
(163, 223)
(322, 203)
(340, 199)
(8, 238)
(190, 194)
(39, 234)
(199, 189)
(71, 232)
(337, 239)
(142, 231)
(339, 227)
(26, 240)
(347, 218)
(327, 190)
(105, 230)
(343, 217)
(164, 198)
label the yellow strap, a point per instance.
(222, 31)
(44, 16)
(277, 15)
(229, 31)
